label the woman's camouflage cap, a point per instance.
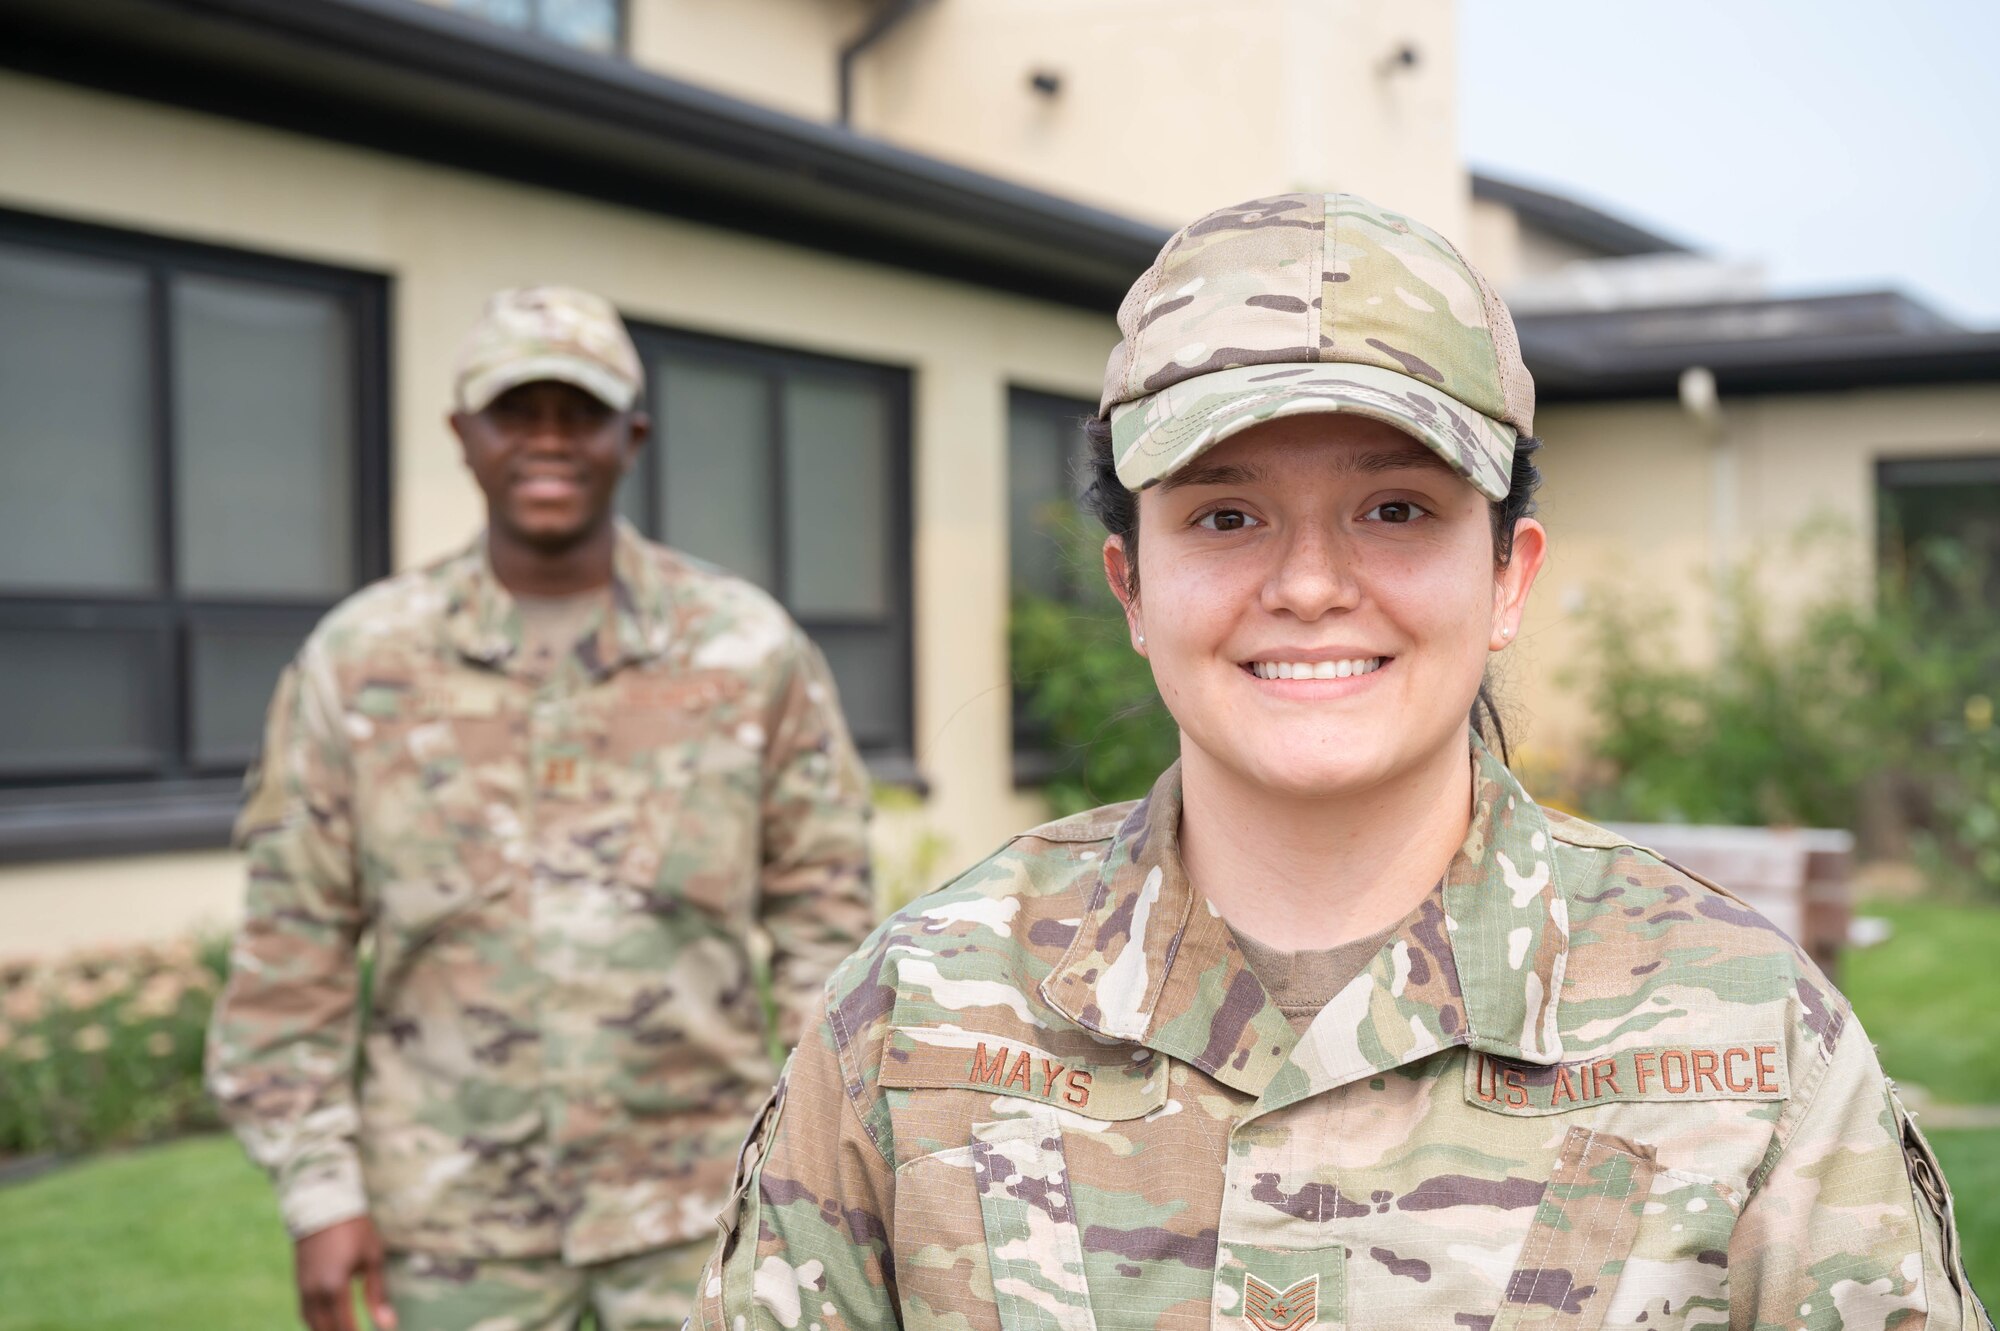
(549, 332)
(1314, 303)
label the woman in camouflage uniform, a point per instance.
(1336, 1028)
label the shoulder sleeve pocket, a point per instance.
(1937, 1223)
(734, 1265)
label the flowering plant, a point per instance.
(104, 1047)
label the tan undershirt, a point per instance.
(551, 626)
(1301, 983)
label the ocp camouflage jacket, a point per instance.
(1578, 1089)
(558, 880)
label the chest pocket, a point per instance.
(1580, 1266)
(687, 755)
(438, 773)
(1033, 1245)
(987, 1234)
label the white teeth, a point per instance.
(1316, 669)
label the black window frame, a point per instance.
(621, 27)
(1033, 760)
(183, 802)
(895, 762)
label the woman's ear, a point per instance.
(1512, 584)
(1118, 573)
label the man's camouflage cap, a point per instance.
(1314, 303)
(548, 332)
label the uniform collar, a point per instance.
(1479, 962)
(485, 625)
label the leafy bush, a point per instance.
(1091, 694)
(1804, 718)
(104, 1047)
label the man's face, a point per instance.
(549, 457)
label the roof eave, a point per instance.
(1806, 365)
(420, 81)
(1575, 221)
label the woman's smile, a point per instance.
(1319, 596)
(1311, 676)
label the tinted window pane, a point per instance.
(1040, 446)
(513, 13)
(867, 667)
(234, 673)
(715, 472)
(837, 498)
(264, 433)
(1950, 502)
(76, 458)
(590, 24)
(78, 701)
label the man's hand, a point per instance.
(328, 1263)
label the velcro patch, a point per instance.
(946, 1057)
(1658, 1072)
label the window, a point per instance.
(793, 470)
(1046, 453)
(191, 473)
(589, 25)
(1927, 501)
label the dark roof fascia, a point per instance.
(1571, 220)
(421, 81)
(1803, 365)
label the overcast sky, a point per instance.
(1844, 144)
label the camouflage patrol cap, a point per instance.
(1314, 303)
(560, 333)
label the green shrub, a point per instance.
(105, 1047)
(1089, 692)
(1850, 699)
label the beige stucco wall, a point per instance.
(1641, 501)
(1493, 241)
(1168, 107)
(448, 238)
(1171, 107)
(777, 53)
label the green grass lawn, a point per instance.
(1930, 997)
(1971, 1162)
(172, 1238)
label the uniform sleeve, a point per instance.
(1852, 1224)
(807, 1229)
(816, 900)
(281, 1049)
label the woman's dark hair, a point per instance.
(1106, 498)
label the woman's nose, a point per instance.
(1314, 574)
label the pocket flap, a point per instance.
(948, 1057)
(1582, 1232)
(1032, 1239)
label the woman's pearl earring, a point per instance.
(1142, 640)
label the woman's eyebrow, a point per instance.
(1395, 459)
(1212, 473)
(1367, 464)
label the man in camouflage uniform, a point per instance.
(1574, 1087)
(553, 785)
